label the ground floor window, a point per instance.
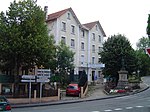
(6, 89)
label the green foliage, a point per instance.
(143, 43)
(134, 79)
(24, 39)
(116, 48)
(63, 63)
(143, 58)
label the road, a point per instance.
(133, 103)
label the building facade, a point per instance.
(86, 40)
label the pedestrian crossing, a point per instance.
(121, 109)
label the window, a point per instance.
(93, 36)
(63, 26)
(63, 39)
(99, 60)
(68, 16)
(99, 49)
(82, 46)
(72, 29)
(72, 43)
(100, 39)
(93, 48)
(93, 60)
(82, 59)
(96, 27)
(83, 33)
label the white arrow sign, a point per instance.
(27, 80)
(28, 77)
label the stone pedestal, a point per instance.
(123, 81)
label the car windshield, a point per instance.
(2, 100)
(72, 87)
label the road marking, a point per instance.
(107, 110)
(118, 109)
(129, 107)
(139, 106)
(95, 111)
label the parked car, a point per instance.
(73, 89)
(4, 104)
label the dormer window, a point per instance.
(96, 27)
(68, 16)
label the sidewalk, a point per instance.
(95, 93)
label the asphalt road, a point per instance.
(133, 103)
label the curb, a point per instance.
(77, 101)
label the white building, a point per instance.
(84, 39)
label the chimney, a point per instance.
(46, 11)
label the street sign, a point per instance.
(27, 80)
(42, 79)
(28, 76)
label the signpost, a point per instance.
(29, 79)
(42, 76)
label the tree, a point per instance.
(143, 58)
(24, 39)
(64, 63)
(143, 43)
(115, 49)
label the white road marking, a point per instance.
(129, 107)
(139, 106)
(118, 109)
(107, 110)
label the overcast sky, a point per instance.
(127, 17)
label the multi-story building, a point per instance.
(84, 39)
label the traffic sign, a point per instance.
(27, 80)
(28, 76)
(42, 79)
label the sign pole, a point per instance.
(40, 91)
(29, 92)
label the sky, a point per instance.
(126, 17)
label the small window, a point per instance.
(68, 16)
(83, 33)
(93, 60)
(82, 59)
(100, 49)
(63, 26)
(100, 39)
(72, 43)
(82, 46)
(96, 27)
(93, 48)
(63, 39)
(72, 29)
(99, 60)
(93, 36)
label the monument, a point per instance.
(123, 81)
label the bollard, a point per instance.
(34, 94)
